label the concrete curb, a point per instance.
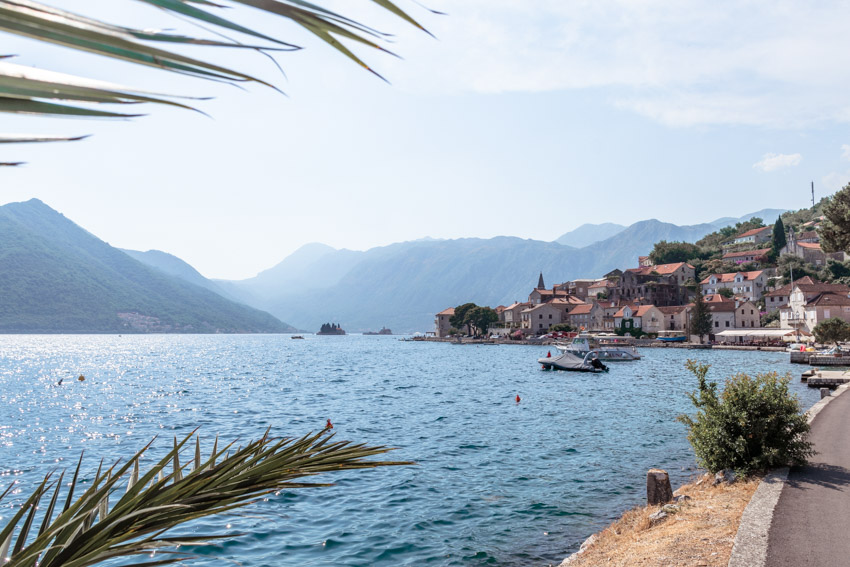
(750, 547)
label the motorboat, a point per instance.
(569, 361)
(606, 351)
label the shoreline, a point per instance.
(640, 343)
(633, 537)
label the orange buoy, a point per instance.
(549, 354)
(517, 398)
(329, 425)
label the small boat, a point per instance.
(583, 344)
(672, 336)
(571, 362)
(296, 337)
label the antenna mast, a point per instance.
(813, 194)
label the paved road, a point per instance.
(811, 523)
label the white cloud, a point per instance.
(845, 152)
(772, 162)
(835, 181)
(699, 62)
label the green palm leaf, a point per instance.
(88, 531)
(32, 91)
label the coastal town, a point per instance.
(754, 298)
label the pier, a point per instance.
(825, 378)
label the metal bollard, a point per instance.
(824, 392)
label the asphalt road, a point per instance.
(811, 523)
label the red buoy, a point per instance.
(329, 425)
(549, 354)
(517, 398)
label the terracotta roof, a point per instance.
(642, 310)
(786, 289)
(809, 245)
(756, 253)
(717, 298)
(582, 309)
(449, 311)
(829, 299)
(722, 307)
(730, 277)
(810, 289)
(518, 304)
(672, 309)
(662, 269)
(753, 232)
(568, 300)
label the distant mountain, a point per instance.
(173, 266)
(588, 234)
(57, 277)
(403, 285)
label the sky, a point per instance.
(518, 118)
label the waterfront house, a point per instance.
(441, 323)
(586, 317)
(511, 315)
(809, 304)
(675, 317)
(538, 318)
(750, 285)
(747, 256)
(644, 317)
(538, 296)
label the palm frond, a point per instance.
(88, 530)
(32, 91)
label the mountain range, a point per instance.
(56, 277)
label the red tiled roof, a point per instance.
(672, 309)
(730, 277)
(582, 309)
(754, 253)
(752, 232)
(642, 310)
(662, 269)
(786, 289)
(717, 298)
(829, 299)
(722, 307)
(449, 311)
(809, 245)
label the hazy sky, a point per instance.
(521, 118)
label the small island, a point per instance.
(331, 329)
(383, 331)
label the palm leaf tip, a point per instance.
(90, 530)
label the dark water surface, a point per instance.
(497, 483)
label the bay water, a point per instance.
(496, 481)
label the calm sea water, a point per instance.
(497, 482)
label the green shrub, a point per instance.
(754, 425)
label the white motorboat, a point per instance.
(608, 352)
(569, 361)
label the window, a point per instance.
(550, 315)
(752, 312)
(752, 323)
(727, 323)
(540, 316)
(717, 323)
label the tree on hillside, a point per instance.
(701, 319)
(835, 231)
(726, 292)
(779, 240)
(832, 330)
(34, 90)
(672, 252)
(789, 263)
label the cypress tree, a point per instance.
(779, 240)
(701, 318)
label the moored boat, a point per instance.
(569, 361)
(608, 352)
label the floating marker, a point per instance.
(329, 425)
(81, 378)
(517, 398)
